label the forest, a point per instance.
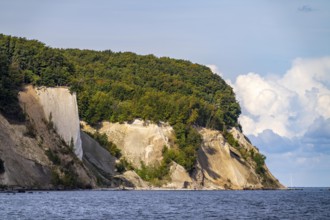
(122, 86)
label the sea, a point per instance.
(304, 203)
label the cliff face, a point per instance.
(219, 165)
(22, 161)
(98, 160)
(138, 141)
(60, 107)
(34, 155)
(37, 153)
(178, 91)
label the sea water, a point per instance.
(308, 203)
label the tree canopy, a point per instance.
(122, 86)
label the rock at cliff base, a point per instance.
(96, 155)
(180, 179)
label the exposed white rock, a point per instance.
(139, 141)
(180, 179)
(241, 138)
(60, 106)
(135, 179)
(220, 163)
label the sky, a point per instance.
(275, 55)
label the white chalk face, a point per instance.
(139, 141)
(60, 106)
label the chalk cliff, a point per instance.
(60, 107)
(33, 154)
(139, 140)
(36, 151)
(41, 143)
(219, 165)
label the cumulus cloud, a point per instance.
(287, 105)
(318, 135)
(274, 143)
(288, 118)
(266, 104)
(319, 129)
(214, 69)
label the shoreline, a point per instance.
(31, 190)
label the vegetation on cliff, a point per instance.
(120, 87)
(28, 61)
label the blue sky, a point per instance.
(274, 53)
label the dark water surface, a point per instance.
(310, 203)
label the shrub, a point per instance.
(55, 178)
(2, 167)
(50, 123)
(124, 165)
(53, 157)
(30, 130)
(70, 179)
(231, 140)
(156, 174)
(185, 157)
(259, 159)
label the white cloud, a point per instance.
(214, 69)
(287, 105)
(288, 118)
(323, 105)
